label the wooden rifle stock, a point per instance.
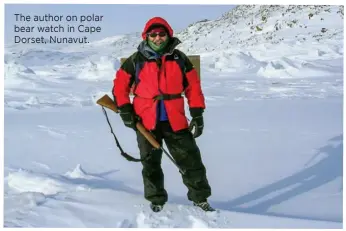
(107, 102)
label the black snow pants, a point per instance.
(183, 148)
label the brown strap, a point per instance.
(167, 96)
(162, 96)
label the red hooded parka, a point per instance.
(154, 79)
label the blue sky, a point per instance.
(117, 19)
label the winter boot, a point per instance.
(156, 208)
(204, 205)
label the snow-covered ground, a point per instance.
(272, 145)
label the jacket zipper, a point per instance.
(158, 81)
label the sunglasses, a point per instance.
(154, 34)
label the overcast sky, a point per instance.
(117, 19)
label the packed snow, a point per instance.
(272, 145)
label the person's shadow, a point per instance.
(326, 169)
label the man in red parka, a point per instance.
(158, 74)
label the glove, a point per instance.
(197, 122)
(128, 116)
